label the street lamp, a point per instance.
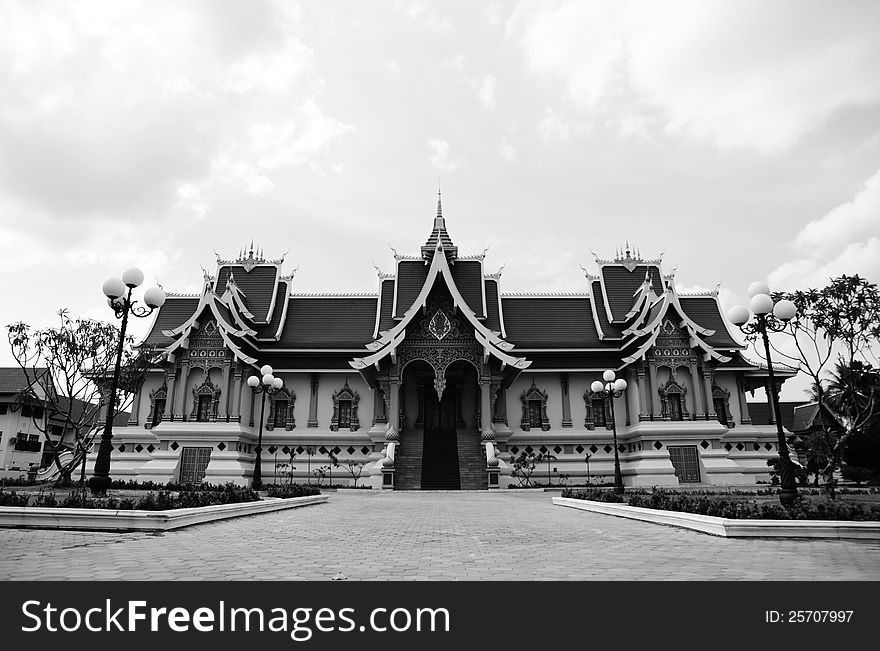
(772, 317)
(612, 389)
(271, 385)
(118, 293)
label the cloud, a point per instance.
(858, 217)
(745, 74)
(113, 107)
(487, 93)
(507, 150)
(440, 155)
(556, 127)
(861, 258)
(845, 240)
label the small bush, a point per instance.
(593, 494)
(11, 498)
(714, 504)
(292, 490)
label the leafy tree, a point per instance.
(310, 451)
(67, 369)
(524, 465)
(355, 469)
(839, 323)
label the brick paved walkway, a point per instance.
(452, 536)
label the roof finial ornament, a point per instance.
(217, 255)
(438, 220)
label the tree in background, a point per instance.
(838, 324)
(67, 370)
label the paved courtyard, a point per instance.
(361, 535)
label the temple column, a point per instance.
(171, 394)
(378, 406)
(710, 403)
(566, 401)
(501, 406)
(643, 391)
(180, 393)
(313, 401)
(236, 393)
(744, 417)
(768, 388)
(653, 388)
(696, 380)
(136, 407)
(485, 404)
(224, 397)
(394, 404)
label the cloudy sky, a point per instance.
(742, 139)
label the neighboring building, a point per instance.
(21, 441)
(439, 379)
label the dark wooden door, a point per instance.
(686, 462)
(204, 409)
(193, 463)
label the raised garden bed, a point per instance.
(739, 513)
(129, 509)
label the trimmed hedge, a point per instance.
(292, 490)
(161, 501)
(714, 504)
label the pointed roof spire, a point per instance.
(438, 233)
(439, 222)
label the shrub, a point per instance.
(11, 498)
(594, 494)
(859, 475)
(292, 490)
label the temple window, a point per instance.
(157, 412)
(534, 408)
(599, 412)
(280, 413)
(345, 405)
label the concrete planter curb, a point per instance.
(32, 517)
(728, 528)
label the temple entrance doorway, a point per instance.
(440, 456)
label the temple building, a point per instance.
(440, 380)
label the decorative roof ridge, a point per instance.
(253, 258)
(476, 256)
(709, 293)
(544, 295)
(181, 295)
(333, 295)
(624, 258)
(381, 274)
(763, 365)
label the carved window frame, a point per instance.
(206, 388)
(590, 420)
(673, 387)
(345, 393)
(282, 395)
(722, 394)
(159, 393)
(534, 393)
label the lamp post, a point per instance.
(118, 292)
(587, 460)
(271, 385)
(770, 317)
(612, 389)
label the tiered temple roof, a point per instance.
(614, 321)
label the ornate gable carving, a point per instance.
(440, 339)
(206, 347)
(672, 347)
